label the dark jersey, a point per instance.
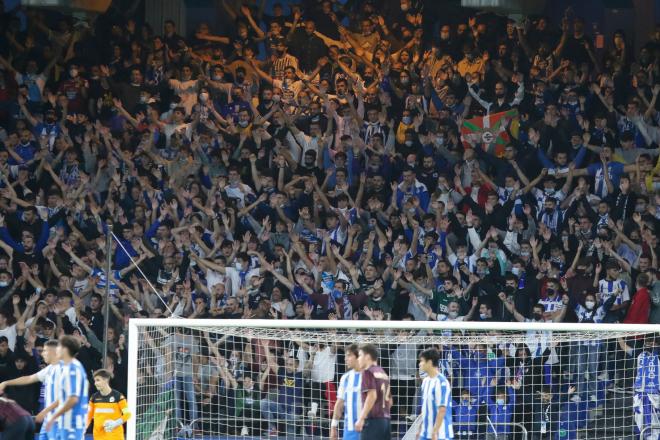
(375, 378)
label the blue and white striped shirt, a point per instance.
(74, 383)
(350, 391)
(50, 378)
(436, 393)
(607, 288)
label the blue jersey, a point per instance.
(350, 391)
(50, 378)
(436, 393)
(646, 380)
(465, 416)
(74, 383)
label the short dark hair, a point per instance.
(103, 373)
(354, 349)
(51, 343)
(432, 355)
(70, 343)
(370, 350)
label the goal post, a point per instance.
(227, 379)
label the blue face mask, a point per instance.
(336, 294)
(500, 401)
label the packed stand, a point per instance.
(310, 165)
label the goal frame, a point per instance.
(136, 323)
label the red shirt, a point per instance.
(11, 412)
(375, 378)
(640, 306)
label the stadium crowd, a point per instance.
(313, 163)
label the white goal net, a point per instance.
(229, 379)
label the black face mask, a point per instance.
(538, 316)
(499, 95)
(549, 210)
(509, 290)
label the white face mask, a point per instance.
(453, 315)
(589, 304)
(515, 271)
(73, 73)
(4, 283)
(203, 97)
(483, 316)
(500, 401)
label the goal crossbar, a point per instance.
(353, 331)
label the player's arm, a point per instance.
(42, 414)
(90, 414)
(443, 396)
(123, 407)
(336, 417)
(69, 403)
(369, 401)
(19, 381)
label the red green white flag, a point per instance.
(488, 132)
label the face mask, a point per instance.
(453, 315)
(500, 401)
(409, 143)
(405, 81)
(555, 259)
(172, 105)
(589, 304)
(50, 120)
(440, 140)
(4, 283)
(216, 78)
(143, 99)
(549, 191)
(640, 208)
(243, 123)
(551, 291)
(515, 271)
(203, 97)
(524, 253)
(500, 95)
(483, 316)
(279, 53)
(538, 316)
(406, 120)
(509, 189)
(73, 73)
(549, 210)
(482, 272)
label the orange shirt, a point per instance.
(103, 408)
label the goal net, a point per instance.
(229, 379)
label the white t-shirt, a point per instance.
(10, 333)
(323, 368)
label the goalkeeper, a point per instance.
(108, 409)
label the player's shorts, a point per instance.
(351, 435)
(71, 434)
(53, 434)
(376, 429)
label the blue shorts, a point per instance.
(50, 435)
(351, 435)
(71, 434)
